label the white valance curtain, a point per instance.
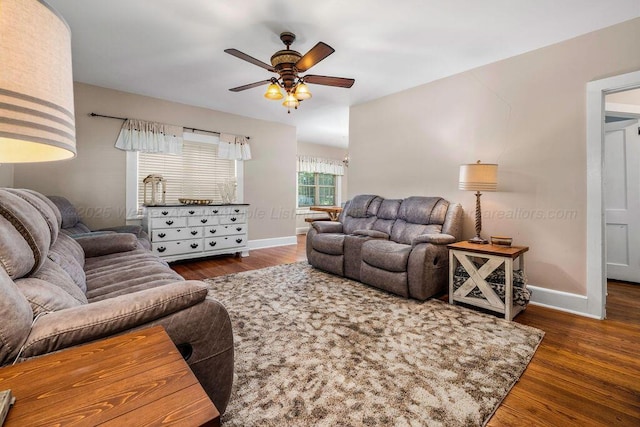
(320, 165)
(234, 147)
(150, 137)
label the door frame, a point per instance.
(596, 237)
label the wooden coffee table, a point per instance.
(138, 378)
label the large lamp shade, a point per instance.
(37, 121)
(478, 177)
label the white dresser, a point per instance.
(192, 231)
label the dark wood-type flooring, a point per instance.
(586, 372)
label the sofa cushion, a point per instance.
(51, 289)
(386, 255)
(418, 210)
(329, 243)
(375, 234)
(70, 216)
(68, 254)
(360, 206)
(47, 209)
(389, 209)
(15, 318)
(25, 236)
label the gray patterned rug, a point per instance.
(317, 349)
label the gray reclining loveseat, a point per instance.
(57, 292)
(396, 245)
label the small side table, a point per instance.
(496, 256)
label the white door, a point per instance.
(622, 200)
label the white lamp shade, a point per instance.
(478, 177)
(37, 120)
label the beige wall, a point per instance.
(327, 152)
(95, 180)
(6, 175)
(526, 113)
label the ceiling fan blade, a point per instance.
(249, 86)
(251, 59)
(315, 55)
(329, 81)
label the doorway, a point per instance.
(622, 185)
(596, 229)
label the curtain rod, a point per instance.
(183, 127)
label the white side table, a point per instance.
(496, 256)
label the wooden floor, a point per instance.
(586, 372)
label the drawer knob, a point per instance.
(194, 245)
(212, 244)
(233, 219)
(162, 249)
(238, 228)
(238, 240)
(215, 211)
(192, 212)
(169, 222)
(165, 212)
(204, 220)
(213, 231)
(194, 232)
(162, 235)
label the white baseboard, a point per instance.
(559, 300)
(302, 230)
(272, 243)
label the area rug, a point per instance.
(314, 349)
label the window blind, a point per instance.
(194, 175)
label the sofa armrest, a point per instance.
(327, 226)
(435, 238)
(105, 244)
(77, 325)
(133, 229)
(372, 233)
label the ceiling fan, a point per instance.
(287, 63)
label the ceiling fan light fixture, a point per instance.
(273, 92)
(290, 101)
(302, 92)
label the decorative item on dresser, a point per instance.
(192, 231)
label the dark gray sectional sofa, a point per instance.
(396, 245)
(57, 292)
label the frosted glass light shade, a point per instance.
(478, 177)
(37, 122)
(273, 92)
(290, 101)
(302, 92)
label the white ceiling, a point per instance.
(173, 49)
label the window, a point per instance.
(194, 174)
(316, 189)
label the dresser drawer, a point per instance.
(175, 222)
(166, 234)
(162, 212)
(233, 219)
(202, 221)
(234, 210)
(190, 211)
(223, 242)
(224, 230)
(176, 247)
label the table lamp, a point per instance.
(478, 177)
(37, 122)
